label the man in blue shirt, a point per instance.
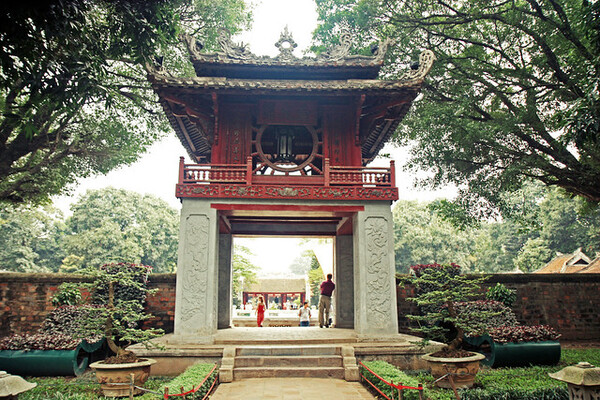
(325, 301)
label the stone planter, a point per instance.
(520, 354)
(114, 379)
(463, 370)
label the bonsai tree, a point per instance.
(120, 290)
(439, 288)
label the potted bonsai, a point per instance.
(438, 288)
(120, 289)
(502, 339)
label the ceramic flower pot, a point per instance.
(114, 379)
(462, 370)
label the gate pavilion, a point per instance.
(281, 146)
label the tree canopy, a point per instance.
(74, 98)
(107, 225)
(513, 95)
(116, 225)
(541, 223)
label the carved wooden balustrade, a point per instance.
(238, 180)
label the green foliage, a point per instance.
(391, 374)
(74, 97)
(483, 315)
(512, 96)
(244, 271)
(115, 225)
(190, 379)
(30, 238)
(574, 356)
(502, 294)
(422, 237)
(438, 288)
(70, 320)
(68, 294)
(121, 290)
(83, 387)
(315, 277)
(538, 223)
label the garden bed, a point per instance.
(531, 381)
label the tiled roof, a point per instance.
(593, 267)
(575, 262)
(278, 286)
(232, 56)
(281, 85)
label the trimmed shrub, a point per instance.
(67, 320)
(496, 314)
(516, 334)
(390, 374)
(188, 380)
(39, 341)
(503, 294)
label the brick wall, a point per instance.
(568, 302)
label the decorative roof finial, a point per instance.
(286, 45)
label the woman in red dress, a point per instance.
(260, 311)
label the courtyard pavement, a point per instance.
(291, 389)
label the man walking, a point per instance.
(325, 301)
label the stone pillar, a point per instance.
(225, 282)
(374, 272)
(344, 282)
(197, 273)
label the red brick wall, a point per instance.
(568, 302)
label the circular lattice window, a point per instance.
(287, 148)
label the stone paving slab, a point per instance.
(291, 389)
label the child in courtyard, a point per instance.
(304, 314)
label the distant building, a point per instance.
(282, 293)
(576, 262)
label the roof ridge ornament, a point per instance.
(341, 51)
(286, 45)
(426, 59)
(238, 51)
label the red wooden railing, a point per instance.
(398, 388)
(242, 174)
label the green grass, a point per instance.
(83, 387)
(531, 383)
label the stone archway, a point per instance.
(364, 266)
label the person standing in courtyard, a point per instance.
(304, 315)
(260, 311)
(327, 288)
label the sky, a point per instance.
(156, 172)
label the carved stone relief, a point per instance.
(195, 277)
(378, 278)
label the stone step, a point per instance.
(288, 351)
(289, 372)
(283, 341)
(288, 361)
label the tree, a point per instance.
(315, 277)
(421, 237)
(302, 264)
(534, 254)
(115, 225)
(74, 98)
(244, 271)
(514, 94)
(29, 238)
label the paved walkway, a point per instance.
(291, 389)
